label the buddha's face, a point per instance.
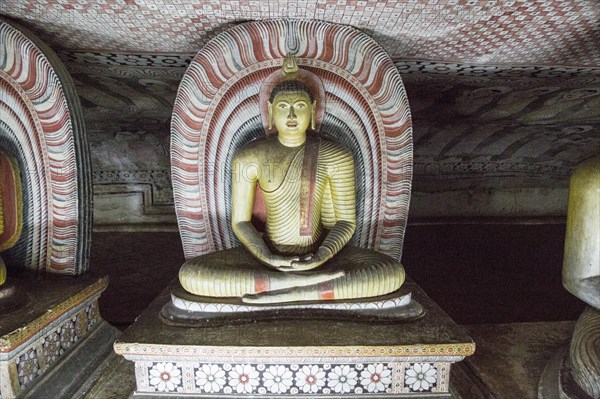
(291, 112)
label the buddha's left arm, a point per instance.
(342, 183)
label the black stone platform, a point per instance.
(432, 342)
(56, 343)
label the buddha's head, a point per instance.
(291, 104)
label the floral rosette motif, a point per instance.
(28, 367)
(92, 315)
(51, 345)
(310, 379)
(210, 378)
(165, 377)
(342, 379)
(68, 335)
(277, 379)
(243, 378)
(420, 377)
(376, 378)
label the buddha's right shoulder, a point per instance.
(253, 150)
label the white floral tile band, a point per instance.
(291, 379)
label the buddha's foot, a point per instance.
(281, 281)
(289, 295)
(294, 287)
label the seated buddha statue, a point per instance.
(11, 218)
(307, 185)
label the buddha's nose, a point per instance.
(292, 114)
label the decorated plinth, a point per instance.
(48, 345)
(303, 358)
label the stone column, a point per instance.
(581, 273)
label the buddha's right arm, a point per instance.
(243, 186)
(252, 240)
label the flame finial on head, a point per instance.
(289, 69)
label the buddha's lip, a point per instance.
(291, 124)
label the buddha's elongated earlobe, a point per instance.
(313, 112)
(270, 114)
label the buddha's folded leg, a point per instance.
(236, 273)
(366, 274)
(219, 274)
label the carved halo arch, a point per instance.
(41, 126)
(217, 111)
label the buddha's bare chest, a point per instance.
(283, 168)
(275, 169)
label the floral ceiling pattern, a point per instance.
(549, 32)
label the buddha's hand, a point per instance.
(279, 262)
(312, 261)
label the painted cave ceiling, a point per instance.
(503, 93)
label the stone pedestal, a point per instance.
(284, 358)
(57, 341)
(574, 370)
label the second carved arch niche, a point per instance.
(217, 110)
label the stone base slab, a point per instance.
(282, 358)
(573, 371)
(76, 373)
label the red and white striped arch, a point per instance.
(217, 111)
(41, 126)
